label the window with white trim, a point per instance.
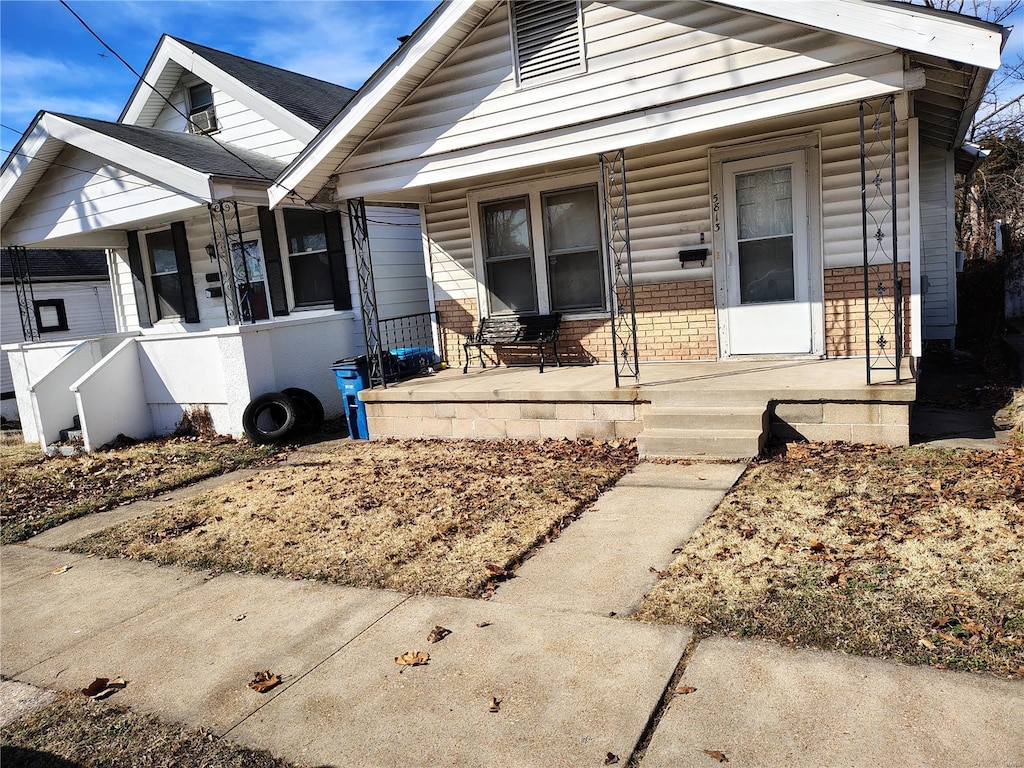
(541, 251)
(547, 39)
(306, 241)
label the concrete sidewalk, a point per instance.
(573, 683)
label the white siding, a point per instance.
(399, 274)
(82, 193)
(88, 305)
(668, 185)
(238, 125)
(938, 268)
(671, 52)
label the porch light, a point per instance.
(211, 251)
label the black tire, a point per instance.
(309, 411)
(269, 418)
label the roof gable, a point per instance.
(438, 40)
(299, 105)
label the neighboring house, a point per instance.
(70, 298)
(741, 135)
(218, 298)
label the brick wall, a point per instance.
(844, 308)
(675, 321)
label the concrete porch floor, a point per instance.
(708, 409)
(787, 380)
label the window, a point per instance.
(542, 252)
(170, 300)
(308, 260)
(572, 233)
(201, 113)
(50, 315)
(548, 39)
(508, 256)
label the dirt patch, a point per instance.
(911, 554)
(76, 732)
(437, 517)
(39, 492)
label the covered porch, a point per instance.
(724, 409)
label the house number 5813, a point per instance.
(715, 205)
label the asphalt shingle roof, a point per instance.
(315, 101)
(201, 153)
(57, 263)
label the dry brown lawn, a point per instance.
(438, 517)
(911, 554)
(39, 492)
(76, 732)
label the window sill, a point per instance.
(588, 314)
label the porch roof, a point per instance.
(974, 44)
(183, 162)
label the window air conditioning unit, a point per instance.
(204, 121)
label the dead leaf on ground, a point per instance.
(817, 546)
(412, 658)
(102, 687)
(62, 569)
(240, 617)
(683, 690)
(925, 643)
(437, 634)
(495, 704)
(719, 756)
(264, 681)
(611, 759)
(483, 624)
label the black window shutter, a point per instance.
(336, 258)
(138, 279)
(188, 286)
(272, 261)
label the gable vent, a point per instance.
(548, 38)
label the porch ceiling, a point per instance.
(947, 103)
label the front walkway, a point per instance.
(573, 684)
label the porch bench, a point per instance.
(515, 331)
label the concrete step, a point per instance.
(70, 435)
(711, 397)
(707, 418)
(702, 443)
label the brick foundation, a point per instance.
(676, 322)
(844, 308)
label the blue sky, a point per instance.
(48, 60)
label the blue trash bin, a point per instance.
(352, 376)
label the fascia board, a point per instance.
(380, 84)
(160, 169)
(171, 50)
(901, 26)
(24, 154)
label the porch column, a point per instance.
(226, 228)
(23, 291)
(367, 290)
(615, 209)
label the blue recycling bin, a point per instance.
(352, 376)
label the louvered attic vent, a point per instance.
(548, 38)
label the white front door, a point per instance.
(767, 256)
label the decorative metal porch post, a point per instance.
(367, 291)
(615, 208)
(883, 286)
(23, 291)
(226, 226)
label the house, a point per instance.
(681, 181)
(217, 298)
(69, 298)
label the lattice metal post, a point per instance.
(23, 291)
(367, 291)
(226, 225)
(883, 286)
(615, 207)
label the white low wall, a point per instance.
(54, 366)
(111, 398)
